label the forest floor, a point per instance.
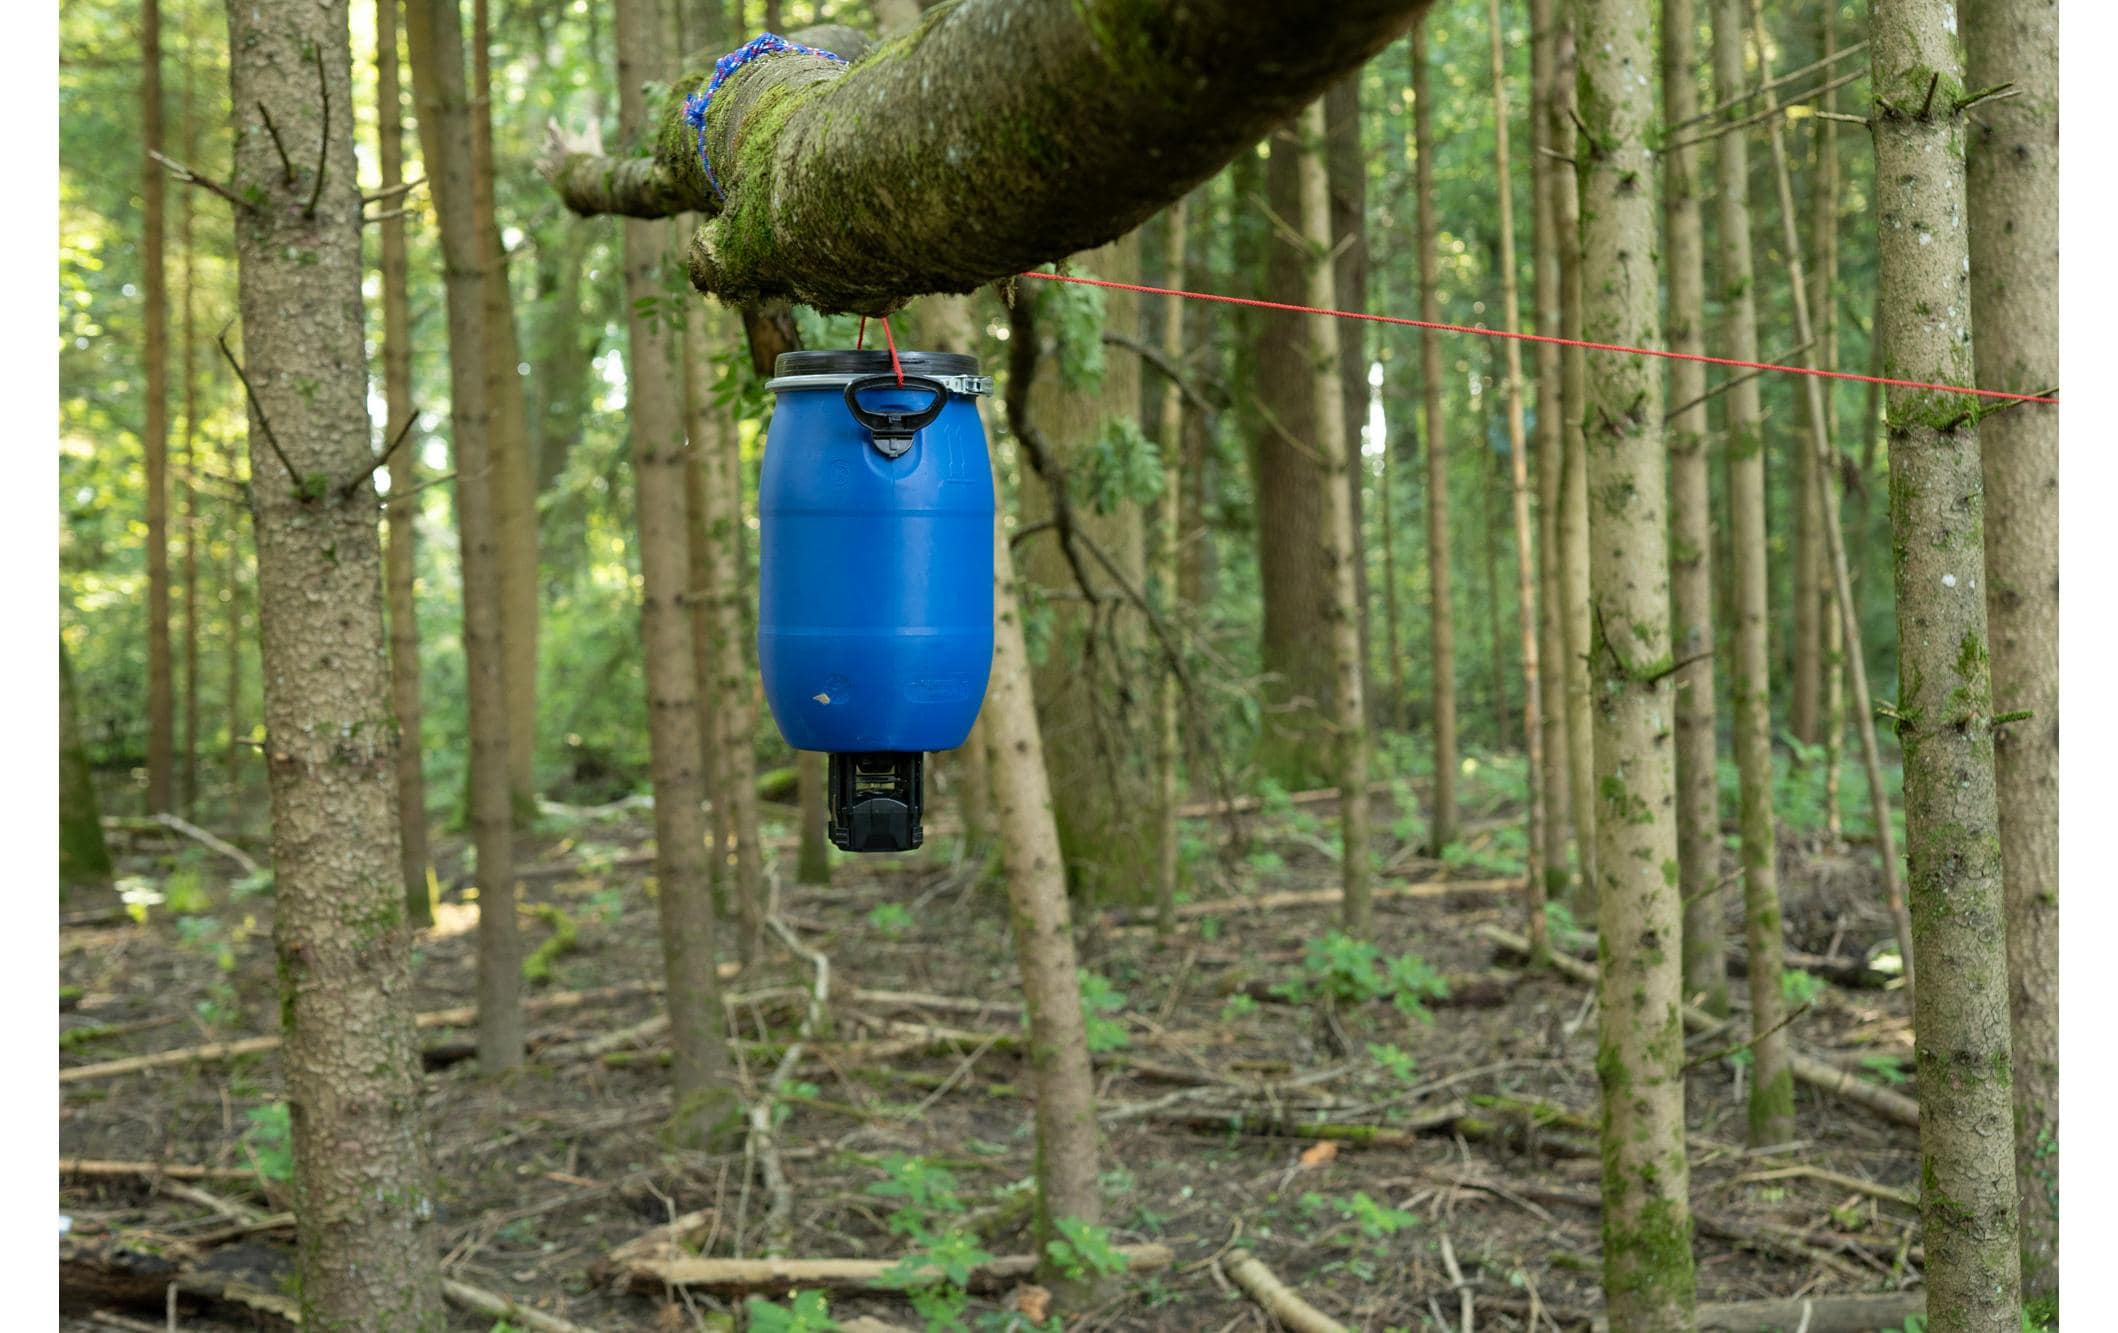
(1463, 1130)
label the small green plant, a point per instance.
(537, 968)
(1083, 1250)
(1559, 922)
(1344, 970)
(1376, 1222)
(1799, 988)
(269, 1142)
(924, 1194)
(1888, 1070)
(1395, 1062)
(1237, 1006)
(1100, 1001)
(890, 920)
(805, 1312)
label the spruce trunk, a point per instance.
(1772, 1081)
(813, 859)
(84, 858)
(1441, 616)
(1169, 754)
(399, 571)
(1945, 708)
(1559, 800)
(362, 1190)
(435, 39)
(1519, 492)
(2013, 169)
(1691, 531)
(1647, 1264)
(154, 434)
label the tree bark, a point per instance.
(1573, 471)
(362, 1188)
(1559, 801)
(187, 341)
(84, 858)
(705, 1103)
(1441, 826)
(1068, 1147)
(1098, 732)
(2013, 165)
(1647, 1264)
(718, 448)
(1945, 708)
(813, 862)
(1519, 490)
(1824, 244)
(1289, 471)
(398, 556)
(1347, 166)
(1338, 539)
(1772, 1085)
(513, 480)
(1169, 751)
(435, 42)
(1061, 127)
(1691, 531)
(154, 434)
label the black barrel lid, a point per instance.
(939, 365)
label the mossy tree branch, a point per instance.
(997, 135)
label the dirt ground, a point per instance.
(542, 1172)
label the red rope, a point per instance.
(895, 364)
(1664, 353)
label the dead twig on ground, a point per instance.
(480, 1301)
(735, 1276)
(1275, 1297)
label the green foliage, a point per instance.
(1342, 970)
(563, 940)
(1888, 1070)
(805, 1312)
(269, 1142)
(924, 1192)
(1396, 1062)
(1074, 317)
(1099, 1003)
(1799, 988)
(1083, 1250)
(1121, 467)
(890, 919)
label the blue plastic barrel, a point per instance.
(875, 563)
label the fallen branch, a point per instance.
(1816, 1073)
(480, 1301)
(1816, 1314)
(100, 1167)
(1275, 1297)
(1272, 902)
(1401, 1135)
(463, 1016)
(1889, 1193)
(736, 1276)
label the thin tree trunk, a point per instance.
(1841, 578)
(1772, 1082)
(232, 647)
(1691, 531)
(1341, 549)
(718, 448)
(1945, 708)
(1442, 631)
(1519, 488)
(84, 858)
(1824, 242)
(1573, 473)
(705, 1102)
(513, 482)
(154, 435)
(1098, 732)
(720, 831)
(2014, 188)
(1169, 754)
(1559, 801)
(1347, 166)
(813, 862)
(435, 41)
(398, 555)
(1647, 1265)
(1288, 475)
(188, 759)
(362, 1186)
(1068, 1144)
(1489, 552)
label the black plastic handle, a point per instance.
(891, 431)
